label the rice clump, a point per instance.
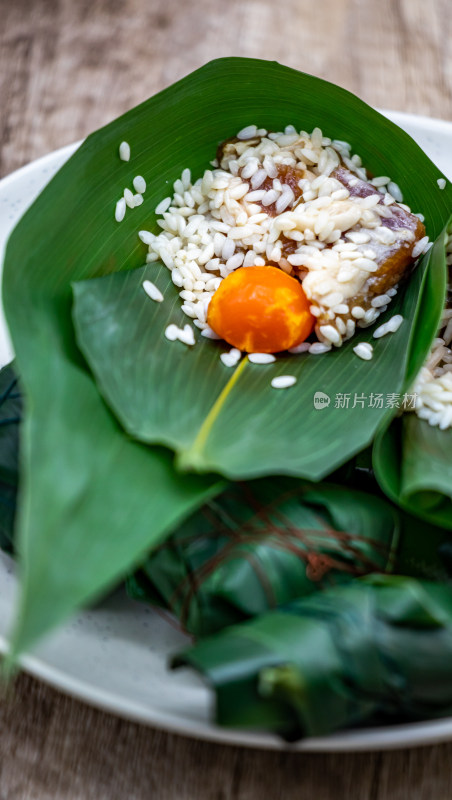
(433, 386)
(298, 201)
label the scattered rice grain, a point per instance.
(171, 332)
(152, 291)
(232, 358)
(283, 381)
(124, 151)
(261, 358)
(364, 350)
(139, 184)
(391, 326)
(120, 210)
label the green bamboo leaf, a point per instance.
(199, 403)
(88, 513)
(260, 545)
(68, 568)
(412, 459)
(429, 308)
(237, 424)
(376, 649)
(85, 484)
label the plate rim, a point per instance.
(415, 734)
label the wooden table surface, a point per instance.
(66, 68)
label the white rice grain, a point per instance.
(283, 381)
(250, 168)
(330, 334)
(247, 133)
(186, 178)
(124, 151)
(228, 249)
(380, 301)
(232, 358)
(152, 291)
(364, 350)
(171, 332)
(270, 167)
(258, 178)
(391, 326)
(189, 310)
(186, 335)
(270, 197)
(419, 247)
(261, 358)
(146, 237)
(318, 348)
(139, 184)
(209, 333)
(163, 206)
(255, 196)
(235, 261)
(394, 191)
(286, 199)
(381, 181)
(120, 210)
(129, 198)
(299, 348)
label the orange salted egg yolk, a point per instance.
(260, 310)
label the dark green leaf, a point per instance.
(412, 459)
(413, 465)
(423, 551)
(260, 545)
(198, 403)
(377, 648)
(10, 416)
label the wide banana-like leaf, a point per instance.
(413, 460)
(91, 499)
(162, 392)
(376, 649)
(238, 425)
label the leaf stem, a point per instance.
(191, 459)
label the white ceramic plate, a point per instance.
(115, 656)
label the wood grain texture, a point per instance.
(67, 68)
(54, 747)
